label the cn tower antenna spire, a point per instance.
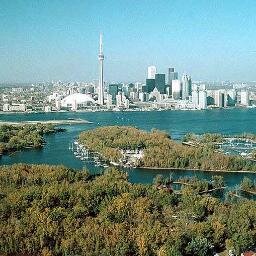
(101, 44)
(101, 78)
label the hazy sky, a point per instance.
(58, 39)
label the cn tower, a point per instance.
(101, 80)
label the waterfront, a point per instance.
(176, 123)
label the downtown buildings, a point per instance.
(158, 91)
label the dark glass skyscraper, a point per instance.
(150, 84)
(160, 83)
(113, 90)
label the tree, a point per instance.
(198, 247)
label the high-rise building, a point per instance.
(176, 89)
(195, 95)
(113, 90)
(199, 97)
(150, 85)
(231, 97)
(245, 98)
(186, 86)
(101, 78)
(160, 83)
(122, 101)
(220, 98)
(109, 101)
(151, 72)
(202, 99)
(172, 75)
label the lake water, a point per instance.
(176, 123)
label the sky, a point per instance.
(44, 40)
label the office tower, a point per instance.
(101, 78)
(151, 72)
(172, 75)
(113, 90)
(143, 96)
(160, 83)
(199, 97)
(176, 89)
(202, 99)
(190, 86)
(119, 99)
(122, 101)
(231, 97)
(195, 96)
(220, 98)
(150, 85)
(186, 86)
(109, 101)
(245, 98)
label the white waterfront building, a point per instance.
(199, 97)
(77, 101)
(245, 98)
(202, 102)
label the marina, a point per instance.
(238, 146)
(82, 153)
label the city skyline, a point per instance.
(59, 41)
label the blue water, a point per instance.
(176, 123)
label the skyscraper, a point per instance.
(176, 89)
(150, 85)
(113, 90)
(186, 86)
(199, 97)
(151, 72)
(172, 75)
(160, 83)
(101, 78)
(202, 99)
(245, 98)
(220, 98)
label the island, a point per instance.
(132, 147)
(248, 186)
(24, 136)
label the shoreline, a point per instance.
(249, 192)
(190, 169)
(125, 110)
(55, 122)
